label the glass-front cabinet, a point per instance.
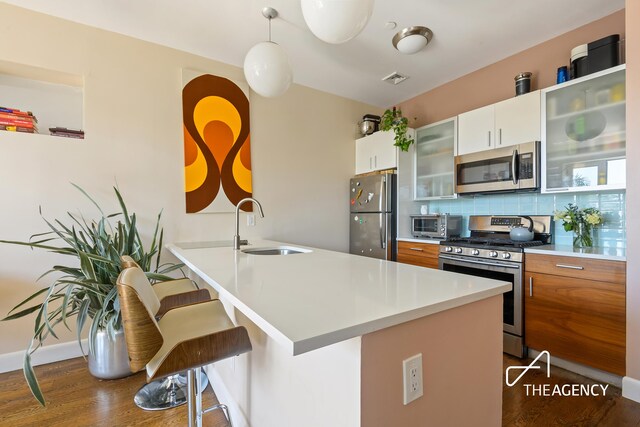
(436, 145)
(584, 134)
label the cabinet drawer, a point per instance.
(422, 254)
(579, 268)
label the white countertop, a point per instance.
(311, 300)
(418, 240)
(613, 254)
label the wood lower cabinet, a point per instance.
(416, 253)
(575, 309)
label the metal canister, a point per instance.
(523, 83)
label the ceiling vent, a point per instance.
(395, 78)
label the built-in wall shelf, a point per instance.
(55, 98)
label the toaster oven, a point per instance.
(436, 226)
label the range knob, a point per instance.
(475, 252)
(506, 255)
(493, 254)
(458, 250)
(448, 249)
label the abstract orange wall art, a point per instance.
(217, 148)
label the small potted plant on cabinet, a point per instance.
(393, 120)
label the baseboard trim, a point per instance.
(631, 388)
(47, 354)
(586, 371)
(224, 396)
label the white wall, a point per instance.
(302, 152)
(631, 384)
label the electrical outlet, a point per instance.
(251, 220)
(412, 378)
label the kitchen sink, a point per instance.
(278, 250)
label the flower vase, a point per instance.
(583, 236)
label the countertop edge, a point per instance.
(417, 240)
(569, 251)
(390, 321)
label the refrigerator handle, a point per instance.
(383, 232)
(383, 194)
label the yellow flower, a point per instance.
(593, 219)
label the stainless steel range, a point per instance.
(489, 252)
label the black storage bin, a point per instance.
(603, 53)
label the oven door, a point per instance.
(512, 302)
(426, 226)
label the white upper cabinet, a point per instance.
(476, 130)
(518, 120)
(377, 152)
(505, 123)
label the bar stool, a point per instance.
(185, 338)
(169, 392)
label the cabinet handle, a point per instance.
(500, 136)
(557, 189)
(489, 138)
(531, 286)
(573, 267)
(417, 249)
(370, 163)
(375, 161)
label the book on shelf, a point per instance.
(17, 129)
(17, 113)
(21, 123)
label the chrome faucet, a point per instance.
(236, 237)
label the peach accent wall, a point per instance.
(495, 82)
(633, 188)
(462, 369)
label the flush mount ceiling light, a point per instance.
(266, 66)
(336, 21)
(412, 39)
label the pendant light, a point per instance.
(266, 65)
(336, 21)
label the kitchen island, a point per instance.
(330, 331)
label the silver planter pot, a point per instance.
(109, 359)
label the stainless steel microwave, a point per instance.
(437, 226)
(513, 168)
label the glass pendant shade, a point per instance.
(268, 70)
(336, 21)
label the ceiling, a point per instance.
(468, 35)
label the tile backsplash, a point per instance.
(612, 205)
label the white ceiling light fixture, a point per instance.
(336, 21)
(266, 66)
(412, 39)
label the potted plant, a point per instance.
(393, 120)
(86, 288)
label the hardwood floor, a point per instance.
(520, 410)
(75, 398)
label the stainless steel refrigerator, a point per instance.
(372, 230)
